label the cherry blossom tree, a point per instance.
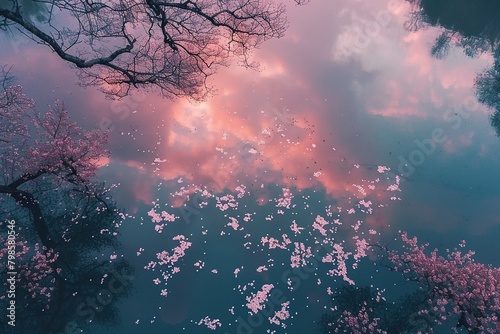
(171, 45)
(457, 286)
(54, 284)
(62, 216)
(36, 145)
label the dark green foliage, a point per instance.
(474, 26)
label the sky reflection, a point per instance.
(314, 120)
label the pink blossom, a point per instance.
(256, 300)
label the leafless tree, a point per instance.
(172, 46)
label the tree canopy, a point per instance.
(57, 218)
(474, 27)
(173, 46)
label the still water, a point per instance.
(268, 207)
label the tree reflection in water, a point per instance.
(475, 27)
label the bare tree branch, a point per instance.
(172, 46)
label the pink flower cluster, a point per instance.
(211, 324)
(35, 266)
(458, 285)
(300, 255)
(34, 143)
(357, 323)
(256, 301)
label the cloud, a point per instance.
(304, 121)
